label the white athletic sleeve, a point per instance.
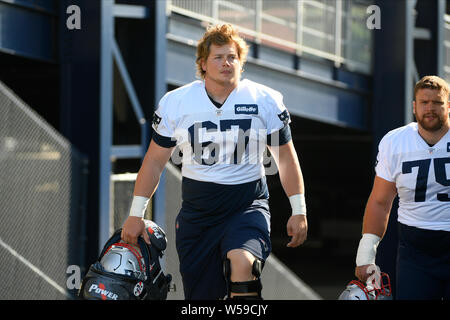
(383, 167)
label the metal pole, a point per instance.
(440, 38)
(299, 29)
(258, 20)
(409, 59)
(338, 34)
(106, 95)
(159, 198)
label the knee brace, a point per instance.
(244, 286)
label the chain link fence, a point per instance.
(42, 196)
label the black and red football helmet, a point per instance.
(127, 272)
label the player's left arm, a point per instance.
(292, 181)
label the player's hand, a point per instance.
(364, 272)
(297, 228)
(132, 229)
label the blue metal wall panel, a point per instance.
(27, 30)
(327, 101)
(49, 6)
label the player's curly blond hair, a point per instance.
(432, 82)
(219, 35)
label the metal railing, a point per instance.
(446, 71)
(331, 29)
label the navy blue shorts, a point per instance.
(423, 266)
(202, 248)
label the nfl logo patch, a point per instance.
(156, 120)
(284, 117)
(448, 146)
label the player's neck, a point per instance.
(433, 137)
(219, 91)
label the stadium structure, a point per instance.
(80, 79)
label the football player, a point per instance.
(413, 162)
(222, 125)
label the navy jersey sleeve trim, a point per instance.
(280, 137)
(163, 141)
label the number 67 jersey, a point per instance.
(421, 174)
(222, 145)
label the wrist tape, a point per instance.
(139, 206)
(367, 249)
(298, 204)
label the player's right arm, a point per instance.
(376, 216)
(146, 183)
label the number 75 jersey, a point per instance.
(421, 174)
(222, 145)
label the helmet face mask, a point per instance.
(127, 272)
(377, 289)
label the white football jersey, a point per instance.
(222, 145)
(421, 174)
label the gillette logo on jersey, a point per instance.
(101, 290)
(246, 109)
